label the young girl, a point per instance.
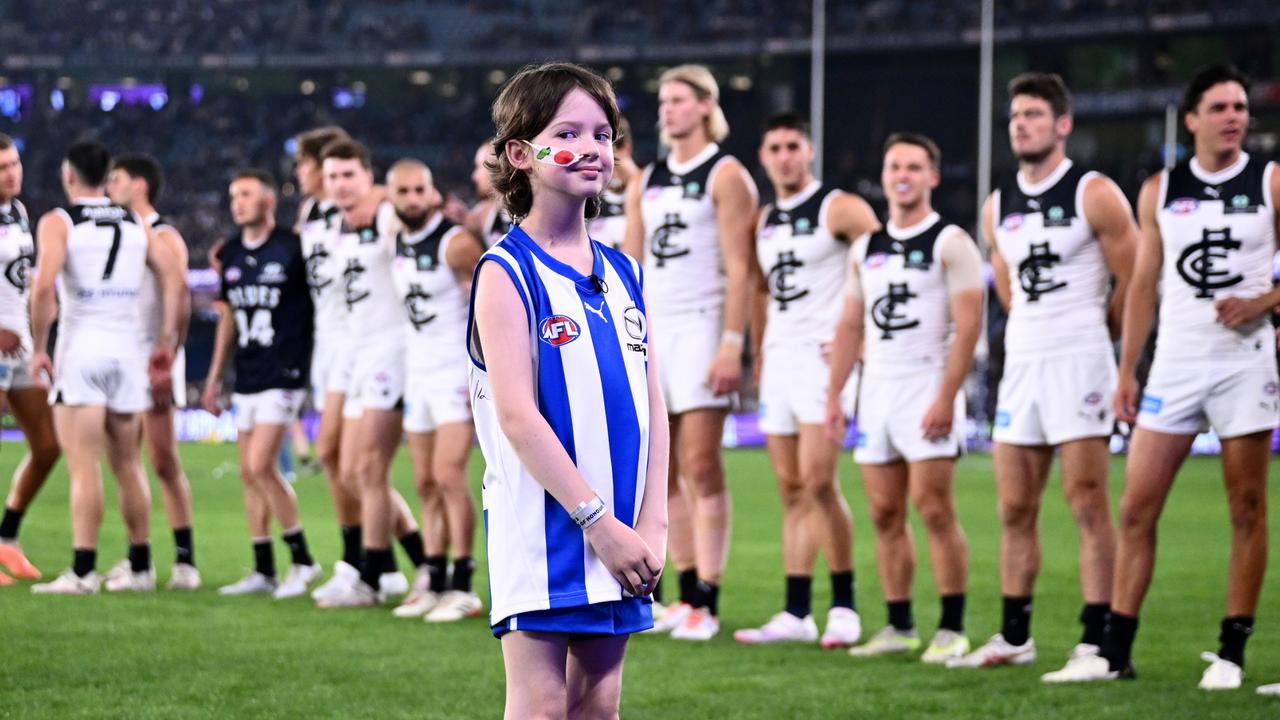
(567, 407)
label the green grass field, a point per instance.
(197, 655)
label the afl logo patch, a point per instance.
(1012, 222)
(558, 330)
(233, 274)
(635, 323)
(875, 260)
(1182, 206)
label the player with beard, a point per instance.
(1058, 235)
(1208, 236)
(135, 182)
(432, 272)
(24, 394)
(914, 302)
(802, 243)
(690, 218)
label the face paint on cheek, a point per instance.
(550, 155)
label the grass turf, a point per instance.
(171, 655)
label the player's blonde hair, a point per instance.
(704, 87)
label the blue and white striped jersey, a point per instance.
(590, 345)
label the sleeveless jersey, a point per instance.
(589, 363)
(375, 312)
(610, 226)
(682, 252)
(17, 257)
(151, 303)
(1057, 271)
(1218, 235)
(803, 265)
(319, 231)
(266, 288)
(433, 299)
(102, 280)
(908, 312)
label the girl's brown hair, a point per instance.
(524, 108)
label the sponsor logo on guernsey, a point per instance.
(1183, 206)
(1003, 418)
(233, 274)
(1012, 221)
(1239, 204)
(272, 273)
(1270, 388)
(634, 321)
(557, 330)
(1093, 398)
(876, 260)
(1151, 404)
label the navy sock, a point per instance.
(437, 573)
(140, 557)
(375, 563)
(1094, 617)
(351, 545)
(411, 543)
(799, 595)
(83, 561)
(689, 587)
(297, 542)
(1016, 624)
(900, 615)
(952, 613)
(1118, 645)
(463, 567)
(842, 590)
(1235, 632)
(10, 523)
(184, 550)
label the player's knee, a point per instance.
(792, 492)
(937, 517)
(889, 520)
(1136, 519)
(45, 452)
(824, 491)
(327, 454)
(167, 468)
(1248, 512)
(1019, 514)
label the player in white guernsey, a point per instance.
(375, 393)
(802, 243)
(25, 395)
(568, 410)
(1058, 234)
(1208, 236)
(134, 182)
(914, 297)
(610, 226)
(97, 254)
(690, 217)
(319, 221)
(487, 219)
(432, 272)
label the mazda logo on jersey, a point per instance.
(633, 319)
(558, 330)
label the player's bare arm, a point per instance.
(1000, 268)
(1111, 219)
(633, 239)
(962, 266)
(846, 350)
(51, 239)
(462, 254)
(1140, 301)
(735, 201)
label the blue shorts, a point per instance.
(618, 617)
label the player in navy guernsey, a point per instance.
(567, 406)
(134, 182)
(265, 328)
(98, 254)
(913, 309)
(1058, 234)
(802, 244)
(25, 395)
(1208, 237)
(432, 272)
(690, 217)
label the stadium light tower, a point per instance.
(817, 81)
(986, 45)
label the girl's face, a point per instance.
(580, 127)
